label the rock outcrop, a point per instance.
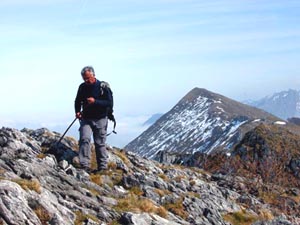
(37, 187)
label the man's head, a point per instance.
(88, 75)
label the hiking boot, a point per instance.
(85, 168)
(88, 170)
(100, 171)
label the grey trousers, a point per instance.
(99, 129)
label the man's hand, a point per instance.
(90, 100)
(78, 115)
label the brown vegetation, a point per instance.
(162, 193)
(81, 217)
(29, 184)
(177, 208)
(42, 214)
(41, 156)
(241, 217)
(134, 203)
(96, 178)
(122, 155)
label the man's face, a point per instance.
(89, 77)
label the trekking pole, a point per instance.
(66, 131)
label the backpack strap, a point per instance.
(112, 118)
(105, 85)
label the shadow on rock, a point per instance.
(62, 152)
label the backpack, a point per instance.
(104, 86)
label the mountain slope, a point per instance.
(285, 104)
(201, 121)
(36, 189)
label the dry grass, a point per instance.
(136, 204)
(265, 214)
(177, 208)
(92, 190)
(271, 195)
(41, 156)
(115, 222)
(29, 184)
(162, 212)
(296, 199)
(2, 171)
(163, 176)
(179, 178)
(241, 217)
(93, 158)
(122, 155)
(42, 214)
(117, 177)
(192, 182)
(162, 193)
(193, 194)
(97, 179)
(112, 165)
(147, 206)
(199, 171)
(81, 217)
(136, 191)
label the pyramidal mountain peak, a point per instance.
(196, 92)
(202, 121)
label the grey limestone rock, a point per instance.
(144, 219)
(14, 205)
(189, 197)
(277, 221)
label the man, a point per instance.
(94, 102)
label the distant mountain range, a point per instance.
(285, 104)
(152, 119)
(202, 121)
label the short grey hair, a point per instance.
(87, 68)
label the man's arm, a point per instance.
(78, 101)
(108, 102)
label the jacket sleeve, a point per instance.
(78, 100)
(105, 102)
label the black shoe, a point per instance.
(100, 171)
(88, 170)
(85, 168)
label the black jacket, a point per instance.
(103, 100)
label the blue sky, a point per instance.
(151, 52)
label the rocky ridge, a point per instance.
(268, 156)
(39, 188)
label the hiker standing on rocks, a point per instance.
(94, 101)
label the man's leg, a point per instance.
(99, 132)
(84, 143)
